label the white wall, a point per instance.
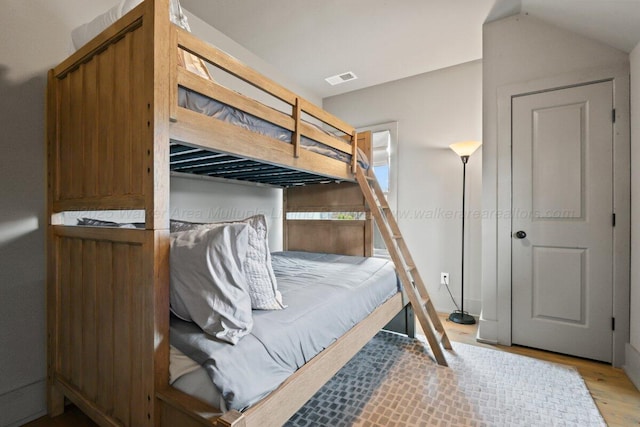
(523, 51)
(198, 200)
(632, 362)
(34, 36)
(433, 110)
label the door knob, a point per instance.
(520, 234)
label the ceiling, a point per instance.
(386, 40)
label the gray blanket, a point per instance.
(326, 296)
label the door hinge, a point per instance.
(613, 219)
(613, 323)
(613, 115)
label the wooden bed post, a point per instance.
(161, 87)
(55, 398)
(158, 83)
(354, 152)
(297, 113)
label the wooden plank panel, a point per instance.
(335, 197)
(106, 83)
(64, 280)
(234, 99)
(139, 113)
(338, 237)
(88, 407)
(75, 143)
(122, 107)
(101, 203)
(122, 324)
(64, 160)
(108, 234)
(138, 357)
(89, 326)
(74, 312)
(156, 269)
(105, 314)
(112, 34)
(90, 135)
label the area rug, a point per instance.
(394, 381)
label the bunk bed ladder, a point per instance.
(410, 278)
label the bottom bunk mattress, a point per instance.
(326, 295)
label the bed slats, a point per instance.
(190, 160)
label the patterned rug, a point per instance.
(393, 381)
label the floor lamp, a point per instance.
(463, 149)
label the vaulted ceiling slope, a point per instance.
(386, 40)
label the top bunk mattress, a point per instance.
(326, 296)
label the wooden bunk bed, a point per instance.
(115, 135)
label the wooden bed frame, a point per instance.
(112, 112)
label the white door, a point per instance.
(562, 171)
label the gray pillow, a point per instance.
(208, 285)
(258, 271)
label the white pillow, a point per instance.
(85, 32)
(208, 285)
(263, 287)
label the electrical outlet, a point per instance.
(444, 278)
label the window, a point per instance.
(384, 141)
(381, 146)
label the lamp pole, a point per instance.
(464, 150)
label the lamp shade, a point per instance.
(465, 148)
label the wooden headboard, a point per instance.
(339, 236)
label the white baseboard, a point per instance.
(473, 307)
(632, 364)
(25, 404)
(487, 331)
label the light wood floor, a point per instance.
(615, 396)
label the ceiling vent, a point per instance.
(341, 78)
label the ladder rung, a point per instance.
(411, 267)
(397, 236)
